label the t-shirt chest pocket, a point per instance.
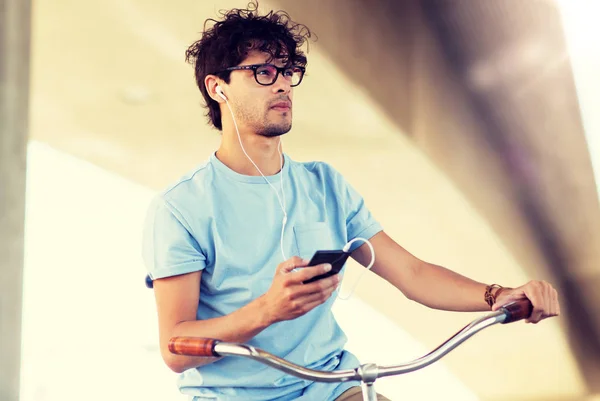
(311, 237)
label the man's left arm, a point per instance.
(439, 288)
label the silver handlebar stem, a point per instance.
(464, 334)
(285, 366)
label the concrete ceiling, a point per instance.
(534, 123)
(386, 103)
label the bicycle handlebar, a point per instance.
(193, 346)
(517, 310)
(207, 347)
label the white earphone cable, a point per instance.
(369, 266)
(282, 204)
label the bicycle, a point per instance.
(366, 373)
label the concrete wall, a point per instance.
(14, 90)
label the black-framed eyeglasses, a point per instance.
(266, 74)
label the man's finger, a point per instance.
(554, 301)
(551, 307)
(292, 263)
(311, 305)
(315, 297)
(536, 316)
(536, 313)
(310, 272)
(322, 285)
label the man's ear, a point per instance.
(211, 82)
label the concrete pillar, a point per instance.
(14, 93)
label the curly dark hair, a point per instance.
(228, 42)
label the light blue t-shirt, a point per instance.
(229, 226)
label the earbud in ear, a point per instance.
(220, 92)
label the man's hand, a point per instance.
(541, 295)
(288, 298)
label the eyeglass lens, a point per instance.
(267, 74)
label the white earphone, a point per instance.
(220, 92)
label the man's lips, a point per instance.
(282, 106)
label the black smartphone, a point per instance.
(336, 259)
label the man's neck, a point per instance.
(262, 150)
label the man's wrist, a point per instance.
(491, 293)
(260, 310)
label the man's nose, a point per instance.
(282, 85)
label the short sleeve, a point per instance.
(360, 223)
(168, 248)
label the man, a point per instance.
(227, 245)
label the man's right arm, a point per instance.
(177, 302)
(177, 305)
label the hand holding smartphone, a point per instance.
(335, 258)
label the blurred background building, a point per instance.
(470, 127)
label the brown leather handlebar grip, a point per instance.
(193, 346)
(517, 310)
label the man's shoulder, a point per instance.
(190, 184)
(316, 167)
(319, 171)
